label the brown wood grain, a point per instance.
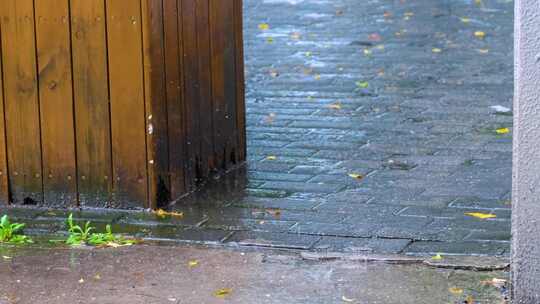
(56, 102)
(174, 90)
(240, 80)
(91, 95)
(4, 187)
(126, 80)
(191, 90)
(21, 101)
(223, 81)
(156, 102)
(205, 117)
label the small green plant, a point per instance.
(84, 236)
(12, 232)
(77, 234)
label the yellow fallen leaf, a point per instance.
(274, 212)
(162, 213)
(348, 300)
(362, 84)
(503, 131)
(335, 106)
(356, 176)
(271, 157)
(5, 257)
(318, 77)
(308, 54)
(438, 257)
(81, 281)
(222, 293)
(380, 47)
(495, 282)
(465, 20)
(270, 40)
(456, 291)
(469, 300)
(274, 73)
(295, 36)
(367, 52)
(436, 50)
(264, 26)
(482, 216)
(409, 14)
(483, 51)
(479, 34)
(97, 277)
(307, 71)
(193, 263)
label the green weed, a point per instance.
(12, 232)
(84, 236)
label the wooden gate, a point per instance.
(118, 103)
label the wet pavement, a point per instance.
(134, 275)
(373, 126)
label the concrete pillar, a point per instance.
(526, 175)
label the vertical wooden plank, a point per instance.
(90, 83)
(191, 89)
(174, 80)
(156, 102)
(240, 80)
(56, 102)
(206, 161)
(223, 80)
(126, 81)
(21, 101)
(4, 188)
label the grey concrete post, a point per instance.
(526, 175)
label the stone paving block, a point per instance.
(341, 179)
(269, 166)
(191, 236)
(151, 219)
(92, 215)
(273, 176)
(240, 224)
(449, 212)
(283, 203)
(325, 229)
(303, 187)
(309, 170)
(401, 227)
(21, 213)
(266, 193)
(476, 203)
(490, 235)
(465, 247)
(469, 223)
(274, 240)
(264, 152)
(348, 244)
(298, 215)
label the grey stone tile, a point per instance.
(274, 240)
(465, 247)
(348, 244)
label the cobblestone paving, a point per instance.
(373, 125)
